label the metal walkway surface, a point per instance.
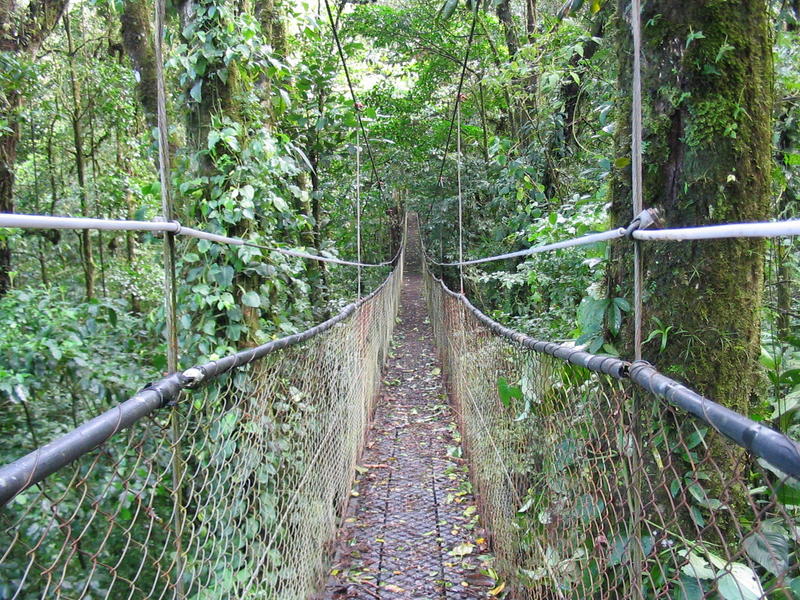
(413, 527)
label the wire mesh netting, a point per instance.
(593, 488)
(235, 492)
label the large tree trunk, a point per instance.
(707, 106)
(505, 17)
(269, 15)
(218, 99)
(137, 38)
(19, 35)
(570, 89)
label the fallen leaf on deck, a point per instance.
(462, 549)
(496, 591)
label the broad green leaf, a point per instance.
(197, 90)
(787, 404)
(622, 162)
(213, 138)
(768, 360)
(622, 304)
(740, 583)
(697, 516)
(247, 192)
(697, 567)
(788, 494)
(689, 588)
(507, 392)
(280, 204)
(619, 550)
(790, 377)
(252, 299)
(770, 550)
(614, 318)
(696, 437)
(448, 9)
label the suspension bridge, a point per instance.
(447, 457)
(309, 467)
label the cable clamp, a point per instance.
(644, 220)
(155, 386)
(158, 219)
(193, 376)
(161, 219)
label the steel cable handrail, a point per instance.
(22, 221)
(762, 441)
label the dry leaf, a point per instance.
(496, 591)
(462, 549)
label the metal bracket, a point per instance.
(644, 220)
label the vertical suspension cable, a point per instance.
(636, 171)
(170, 298)
(358, 207)
(634, 470)
(460, 200)
(166, 194)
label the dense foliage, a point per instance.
(263, 136)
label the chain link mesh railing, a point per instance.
(234, 492)
(594, 487)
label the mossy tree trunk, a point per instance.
(707, 101)
(137, 39)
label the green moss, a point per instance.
(707, 161)
(711, 120)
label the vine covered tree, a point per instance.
(707, 104)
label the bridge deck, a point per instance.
(413, 531)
